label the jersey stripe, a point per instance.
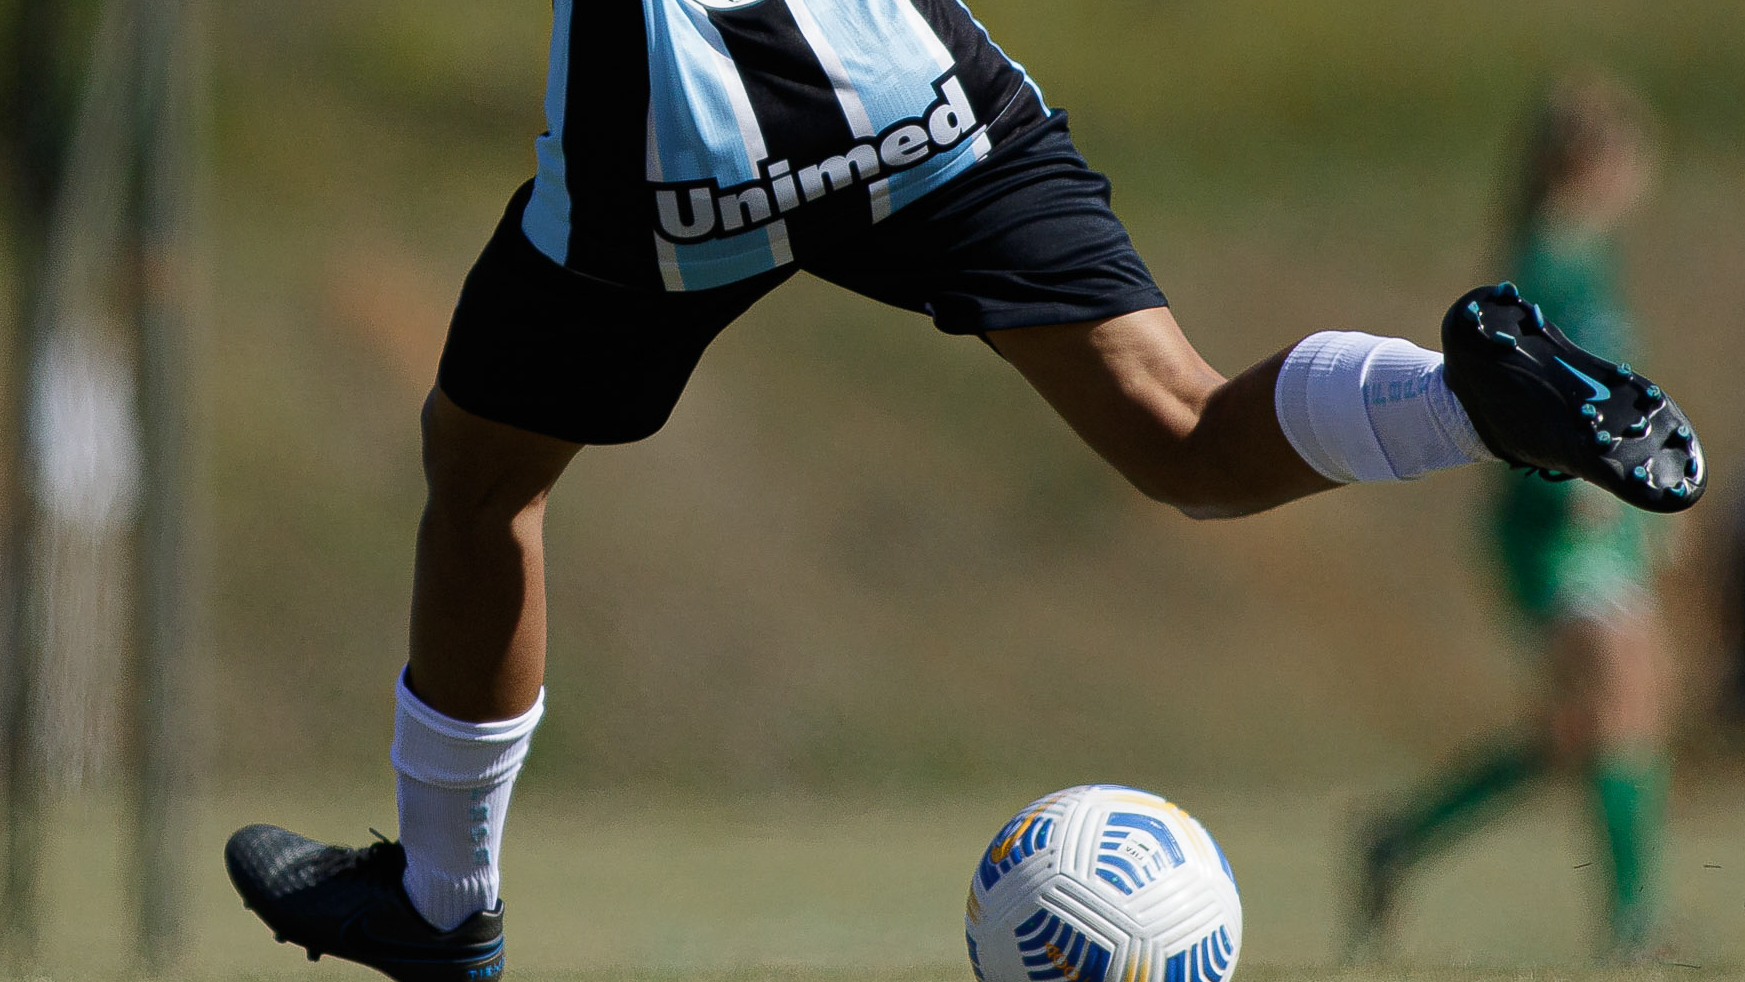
(854, 109)
(698, 98)
(576, 194)
(792, 93)
(882, 59)
(854, 112)
(698, 103)
(887, 53)
(546, 221)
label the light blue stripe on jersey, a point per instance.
(546, 222)
(884, 58)
(887, 54)
(717, 262)
(697, 131)
(700, 127)
(908, 185)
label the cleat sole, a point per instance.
(1517, 374)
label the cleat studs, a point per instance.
(1590, 411)
(1692, 468)
(1503, 340)
(1623, 370)
(1506, 291)
(1470, 312)
(1640, 473)
(1679, 490)
(1637, 428)
(1603, 438)
(1538, 317)
(1684, 432)
(1653, 392)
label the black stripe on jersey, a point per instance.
(606, 100)
(997, 90)
(793, 100)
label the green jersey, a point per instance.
(1569, 547)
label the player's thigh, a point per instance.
(551, 351)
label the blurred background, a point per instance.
(864, 595)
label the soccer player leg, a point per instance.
(471, 694)
(1609, 666)
(478, 593)
(1431, 818)
(539, 362)
(1142, 397)
(1338, 407)
(1610, 703)
(1025, 250)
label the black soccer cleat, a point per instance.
(1539, 402)
(349, 903)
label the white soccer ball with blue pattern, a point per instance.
(1103, 883)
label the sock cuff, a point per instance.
(449, 753)
(1319, 394)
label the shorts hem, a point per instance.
(1048, 314)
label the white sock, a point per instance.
(454, 786)
(1363, 408)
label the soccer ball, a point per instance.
(1102, 883)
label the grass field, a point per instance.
(821, 889)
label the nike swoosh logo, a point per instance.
(1600, 391)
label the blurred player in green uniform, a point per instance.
(1577, 568)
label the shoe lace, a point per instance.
(342, 859)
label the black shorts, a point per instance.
(1024, 238)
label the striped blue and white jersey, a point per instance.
(694, 143)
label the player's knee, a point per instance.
(482, 473)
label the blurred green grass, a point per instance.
(820, 887)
